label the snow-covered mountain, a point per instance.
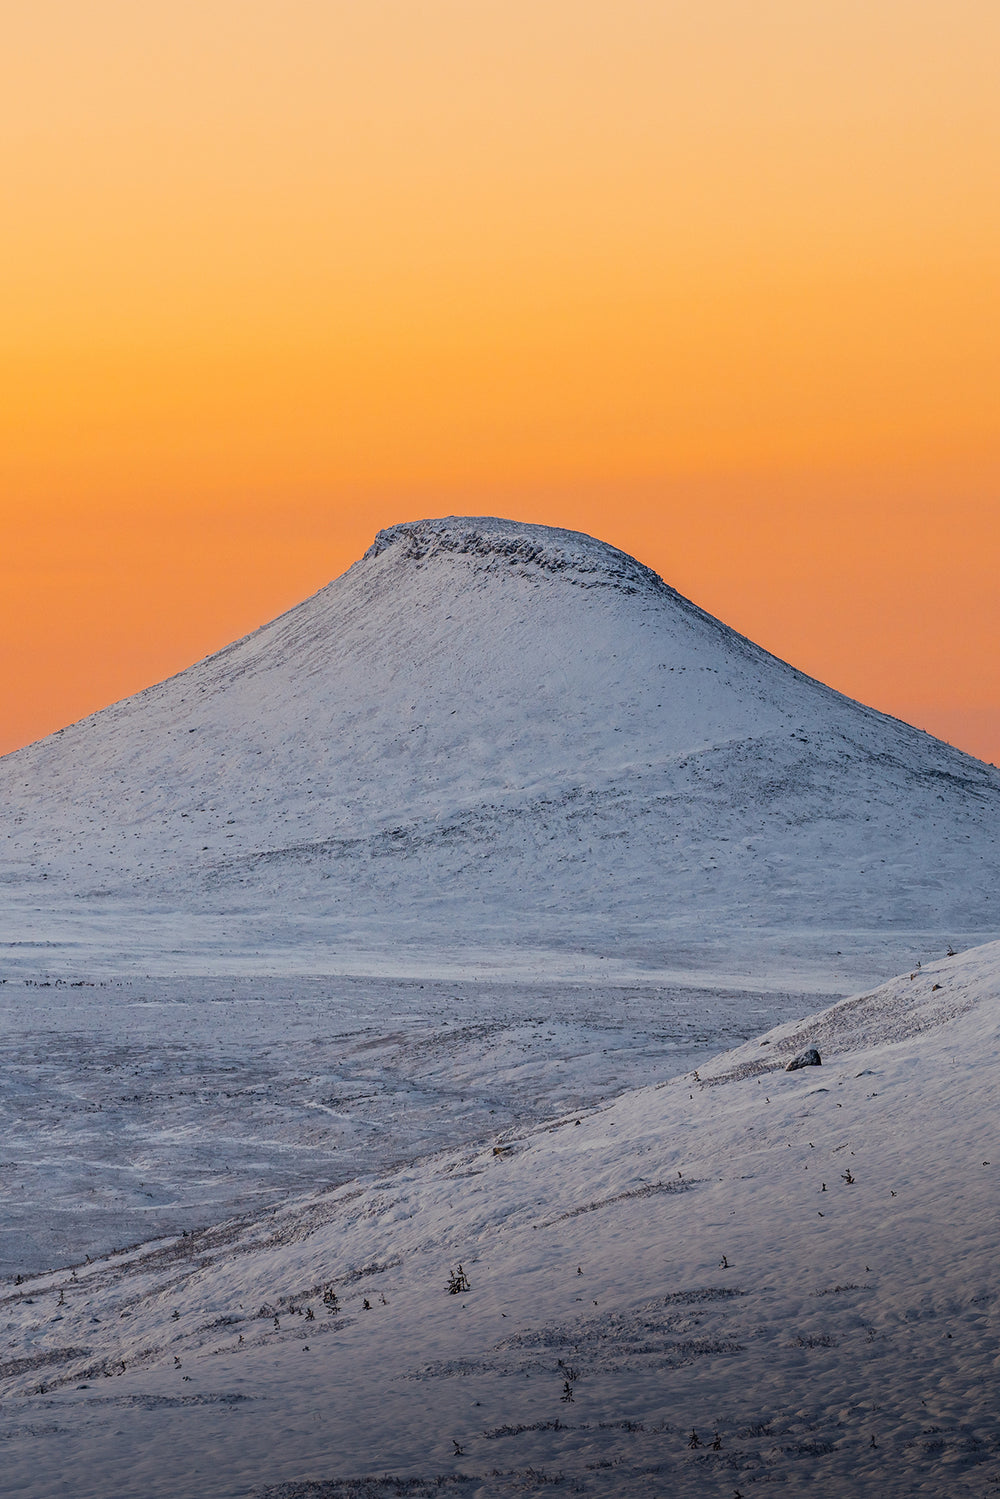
(493, 733)
(512, 827)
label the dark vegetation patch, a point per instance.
(515, 1431)
(15, 1366)
(651, 1189)
(366, 1488)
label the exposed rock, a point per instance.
(808, 1058)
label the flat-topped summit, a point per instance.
(488, 540)
(486, 730)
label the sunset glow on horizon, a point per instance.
(717, 281)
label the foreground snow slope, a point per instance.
(801, 1263)
(492, 734)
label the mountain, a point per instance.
(493, 735)
(345, 957)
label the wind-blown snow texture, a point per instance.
(489, 736)
(134, 1108)
(737, 1277)
(354, 930)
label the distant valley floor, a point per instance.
(135, 1107)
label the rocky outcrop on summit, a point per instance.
(490, 543)
(486, 728)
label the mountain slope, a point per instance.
(799, 1267)
(493, 729)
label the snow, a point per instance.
(132, 1108)
(489, 738)
(673, 1258)
(467, 915)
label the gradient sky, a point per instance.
(715, 280)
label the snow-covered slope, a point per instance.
(494, 733)
(736, 1277)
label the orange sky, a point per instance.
(716, 280)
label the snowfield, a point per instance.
(396, 1010)
(133, 1108)
(738, 1277)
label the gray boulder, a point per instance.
(808, 1058)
